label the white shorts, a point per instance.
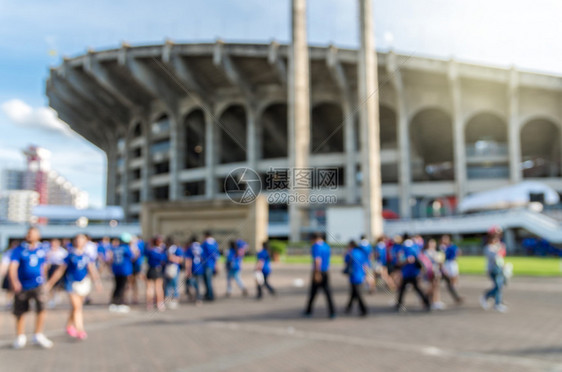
(451, 268)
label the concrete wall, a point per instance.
(225, 219)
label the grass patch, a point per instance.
(522, 266)
(474, 265)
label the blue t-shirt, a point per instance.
(174, 250)
(264, 256)
(381, 253)
(451, 252)
(31, 261)
(103, 248)
(409, 270)
(137, 265)
(155, 256)
(210, 252)
(122, 260)
(321, 250)
(241, 244)
(366, 246)
(234, 259)
(395, 252)
(195, 254)
(357, 259)
(76, 267)
(367, 249)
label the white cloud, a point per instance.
(9, 154)
(22, 114)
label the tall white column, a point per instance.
(514, 132)
(350, 152)
(210, 155)
(403, 134)
(369, 123)
(299, 109)
(458, 132)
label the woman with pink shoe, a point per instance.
(77, 269)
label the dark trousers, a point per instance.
(324, 285)
(266, 285)
(118, 297)
(451, 288)
(355, 294)
(209, 284)
(414, 283)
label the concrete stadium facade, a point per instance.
(175, 119)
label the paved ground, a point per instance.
(241, 334)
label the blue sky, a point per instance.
(36, 34)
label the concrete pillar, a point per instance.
(125, 177)
(210, 154)
(403, 133)
(514, 132)
(251, 136)
(350, 152)
(458, 132)
(176, 156)
(146, 171)
(111, 187)
(299, 109)
(369, 123)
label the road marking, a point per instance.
(390, 345)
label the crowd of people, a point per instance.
(402, 262)
(37, 271)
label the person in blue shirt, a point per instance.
(263, 270)
(137, 267)
(381, 264)
(367, 247)
(450, 268)
(194, 268)
(155, 255)
(320, 252)
(104, 246)
(410, 267)
(74, 271)
(27, 273)
(357, 262)
(234, 257)
(369, 252)
(395, 250)
(121, 259)
(211, 254)
(174, 259)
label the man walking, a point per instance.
(320, 279)
(210, 249)
(411, 269)
(358, 263)
(27, 276)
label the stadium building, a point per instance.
(175, 119)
